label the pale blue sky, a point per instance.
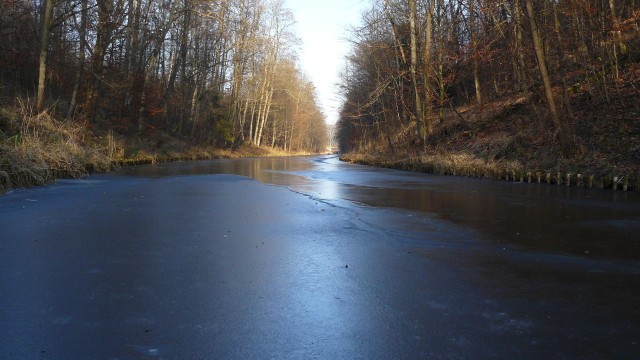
(322, 26)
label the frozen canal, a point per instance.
(310, 258)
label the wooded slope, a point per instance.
(539, 85)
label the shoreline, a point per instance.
(477, 168)
(41, 176)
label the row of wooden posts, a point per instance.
(570, 179)
(616, 183)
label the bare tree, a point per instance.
(427, 68)
(419, 115)
(81, 59)
(44, 46)
(544, 75)
(474, 49)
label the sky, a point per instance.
(322, 25)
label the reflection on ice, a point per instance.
(537, 217)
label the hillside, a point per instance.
(544, 103)
(505, 136)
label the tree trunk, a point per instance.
(44, 46)
(442, 39)
(194, 101)
(184, 43)
(81, 60)
(265, 115)
(103, 36)
(261, 106)
(562, 62)
(476, 76)
(133, 58)
(428, 102)
(414, 78)
(524, 81)
(401, 63)
(152, 63)
(544, 74)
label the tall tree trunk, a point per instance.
(182, 54)
(134, 56)
(524, 81)
(261, 108)
(544, 74)
(265, 115)
(400, 63)
(414, 78)
(81, 60)
(44, 46)
(152, 64)
(243, 119)
(428, 102)
(103, 37)
(194, 102)
(472, 29)
(562, 62)
(442, 39)
(252, 121)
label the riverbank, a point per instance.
(37, 148)
(465, 165)
(504, 139)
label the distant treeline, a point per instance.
(218, 72)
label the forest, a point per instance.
(84, 83)
(480, 87)
(488, 87)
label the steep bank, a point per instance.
(506, 139)
(524, 89)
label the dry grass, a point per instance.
(182, 152)
(36, 148)
(464, 164)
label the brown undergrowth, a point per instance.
(510, 138)
(36, 148)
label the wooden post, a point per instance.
(615, 183)
(590, 181)
(568, 179)
(625, 184)
(558, 178)
(529, 176)
(579, 180)
(539, 177)
(549, 178)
